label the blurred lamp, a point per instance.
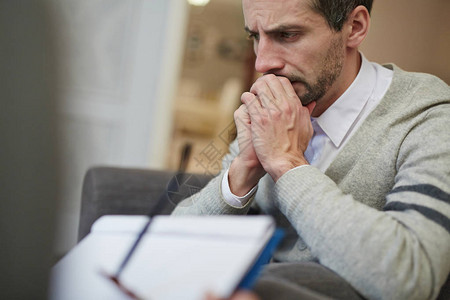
(198, 2)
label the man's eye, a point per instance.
(288, 35)
(253, 36)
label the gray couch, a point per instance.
(122, 191)
(110, 190)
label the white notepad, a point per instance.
(178, 258)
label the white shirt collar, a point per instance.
(339, 118)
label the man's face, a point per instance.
(292, 40)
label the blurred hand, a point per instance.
(239, 295)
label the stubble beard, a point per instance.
(330, 71)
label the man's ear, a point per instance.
(357, 26)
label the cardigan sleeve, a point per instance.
(400, 252)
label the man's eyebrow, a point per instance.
(279, 28)
(248, 30)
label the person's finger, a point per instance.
(244, 295)
(276, 87)
(210, 296)
(252, 104)
(263, 91)
(288, 88)
(239, 295)
(241, 118)
(247, 97)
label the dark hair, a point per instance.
(337, 11)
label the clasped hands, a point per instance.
(273, 132)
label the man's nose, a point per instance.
(268, 59)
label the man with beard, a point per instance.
(351, 158)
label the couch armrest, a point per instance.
(123, 191)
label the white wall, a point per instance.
(119, 62)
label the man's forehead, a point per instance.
(277, 5)
(272, 14)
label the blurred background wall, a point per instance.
(119, 68)
(414, 34)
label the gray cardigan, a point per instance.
(380, 215)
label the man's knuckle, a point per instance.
(258, 85)
(284, 80)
